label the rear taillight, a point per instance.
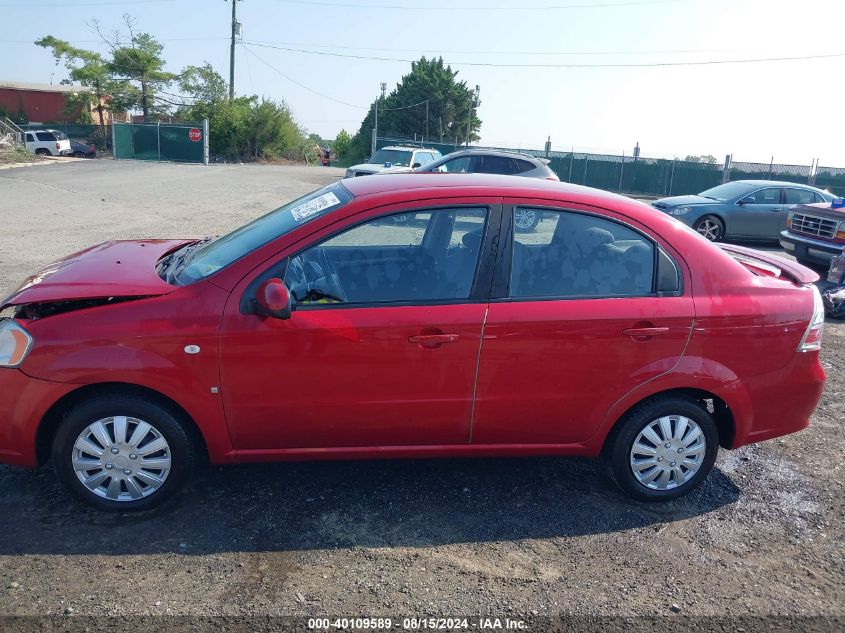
(58, 146)
(812, 340)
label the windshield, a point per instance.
(215, 254)
(395, 157)
(728, 191)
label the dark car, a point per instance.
(815, 233)
(82, 150)
(742, 209)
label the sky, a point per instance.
(789, 110)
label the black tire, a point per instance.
(42, 152)
(619, 445)
(712, 225)
(182, 449)
(79, 154)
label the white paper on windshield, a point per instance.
(315, 205)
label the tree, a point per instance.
(706, 159)
(451, 105)
(342, 143)
(203, 84)
(138, 65)
(86, 67)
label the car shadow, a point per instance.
(301, 506)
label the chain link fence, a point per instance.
(183, 142)
(654, 176)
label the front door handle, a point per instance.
(430, 341)
(645, 333)
(778, 209)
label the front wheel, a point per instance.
(122, 452)
(663, 449)
(79, 155)
(710, 227)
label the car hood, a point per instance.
(680, 201)
(370, 167)
(112, 269)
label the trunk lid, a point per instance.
(113, 269)
(771, 265)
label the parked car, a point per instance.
(82, 150)
(484, 161)
(48, 142)
(394, 156)
(815, 233)
(319, 332)
(742, 209)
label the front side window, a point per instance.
(572, 254)
(424, 158)
(462, 165)
(765, 196)
(409, 257)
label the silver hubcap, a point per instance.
(668, 452)
(121, 458)
(710, 229)
(524, 218)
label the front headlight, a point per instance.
(15, 343)
(679, 210)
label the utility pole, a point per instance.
(426, 123)
(375, 129)
(472, 105)
(236, 29)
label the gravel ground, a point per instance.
(519, 538)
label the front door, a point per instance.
(581, 321)
(759, 216)
(382, 345)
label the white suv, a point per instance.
(48, 142)
(393, 157)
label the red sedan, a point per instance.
(403, 316)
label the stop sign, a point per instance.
(195, 135)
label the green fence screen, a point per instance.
(183, 142)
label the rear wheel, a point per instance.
(42, 152)
(663, 449)
(121, 452)
(79, 155)
(710, 227)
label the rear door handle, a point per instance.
(644, 333)
(433, 340)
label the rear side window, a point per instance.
(800, 196)
(572, 254)
(45, 136)
(495, 165)
(424, 158)
(523, 165)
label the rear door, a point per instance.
(585, 308)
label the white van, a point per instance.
(48, 142)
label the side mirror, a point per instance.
(272, 299)
(415, 165)
(747, 200)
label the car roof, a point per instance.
(448, 185)
(775, 183)
(493, 152)
(409, 148)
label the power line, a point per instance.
(555, 7)
(569, 65)
(79, 4)
(301, 85)
(413, 105)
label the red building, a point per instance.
(43, 103)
